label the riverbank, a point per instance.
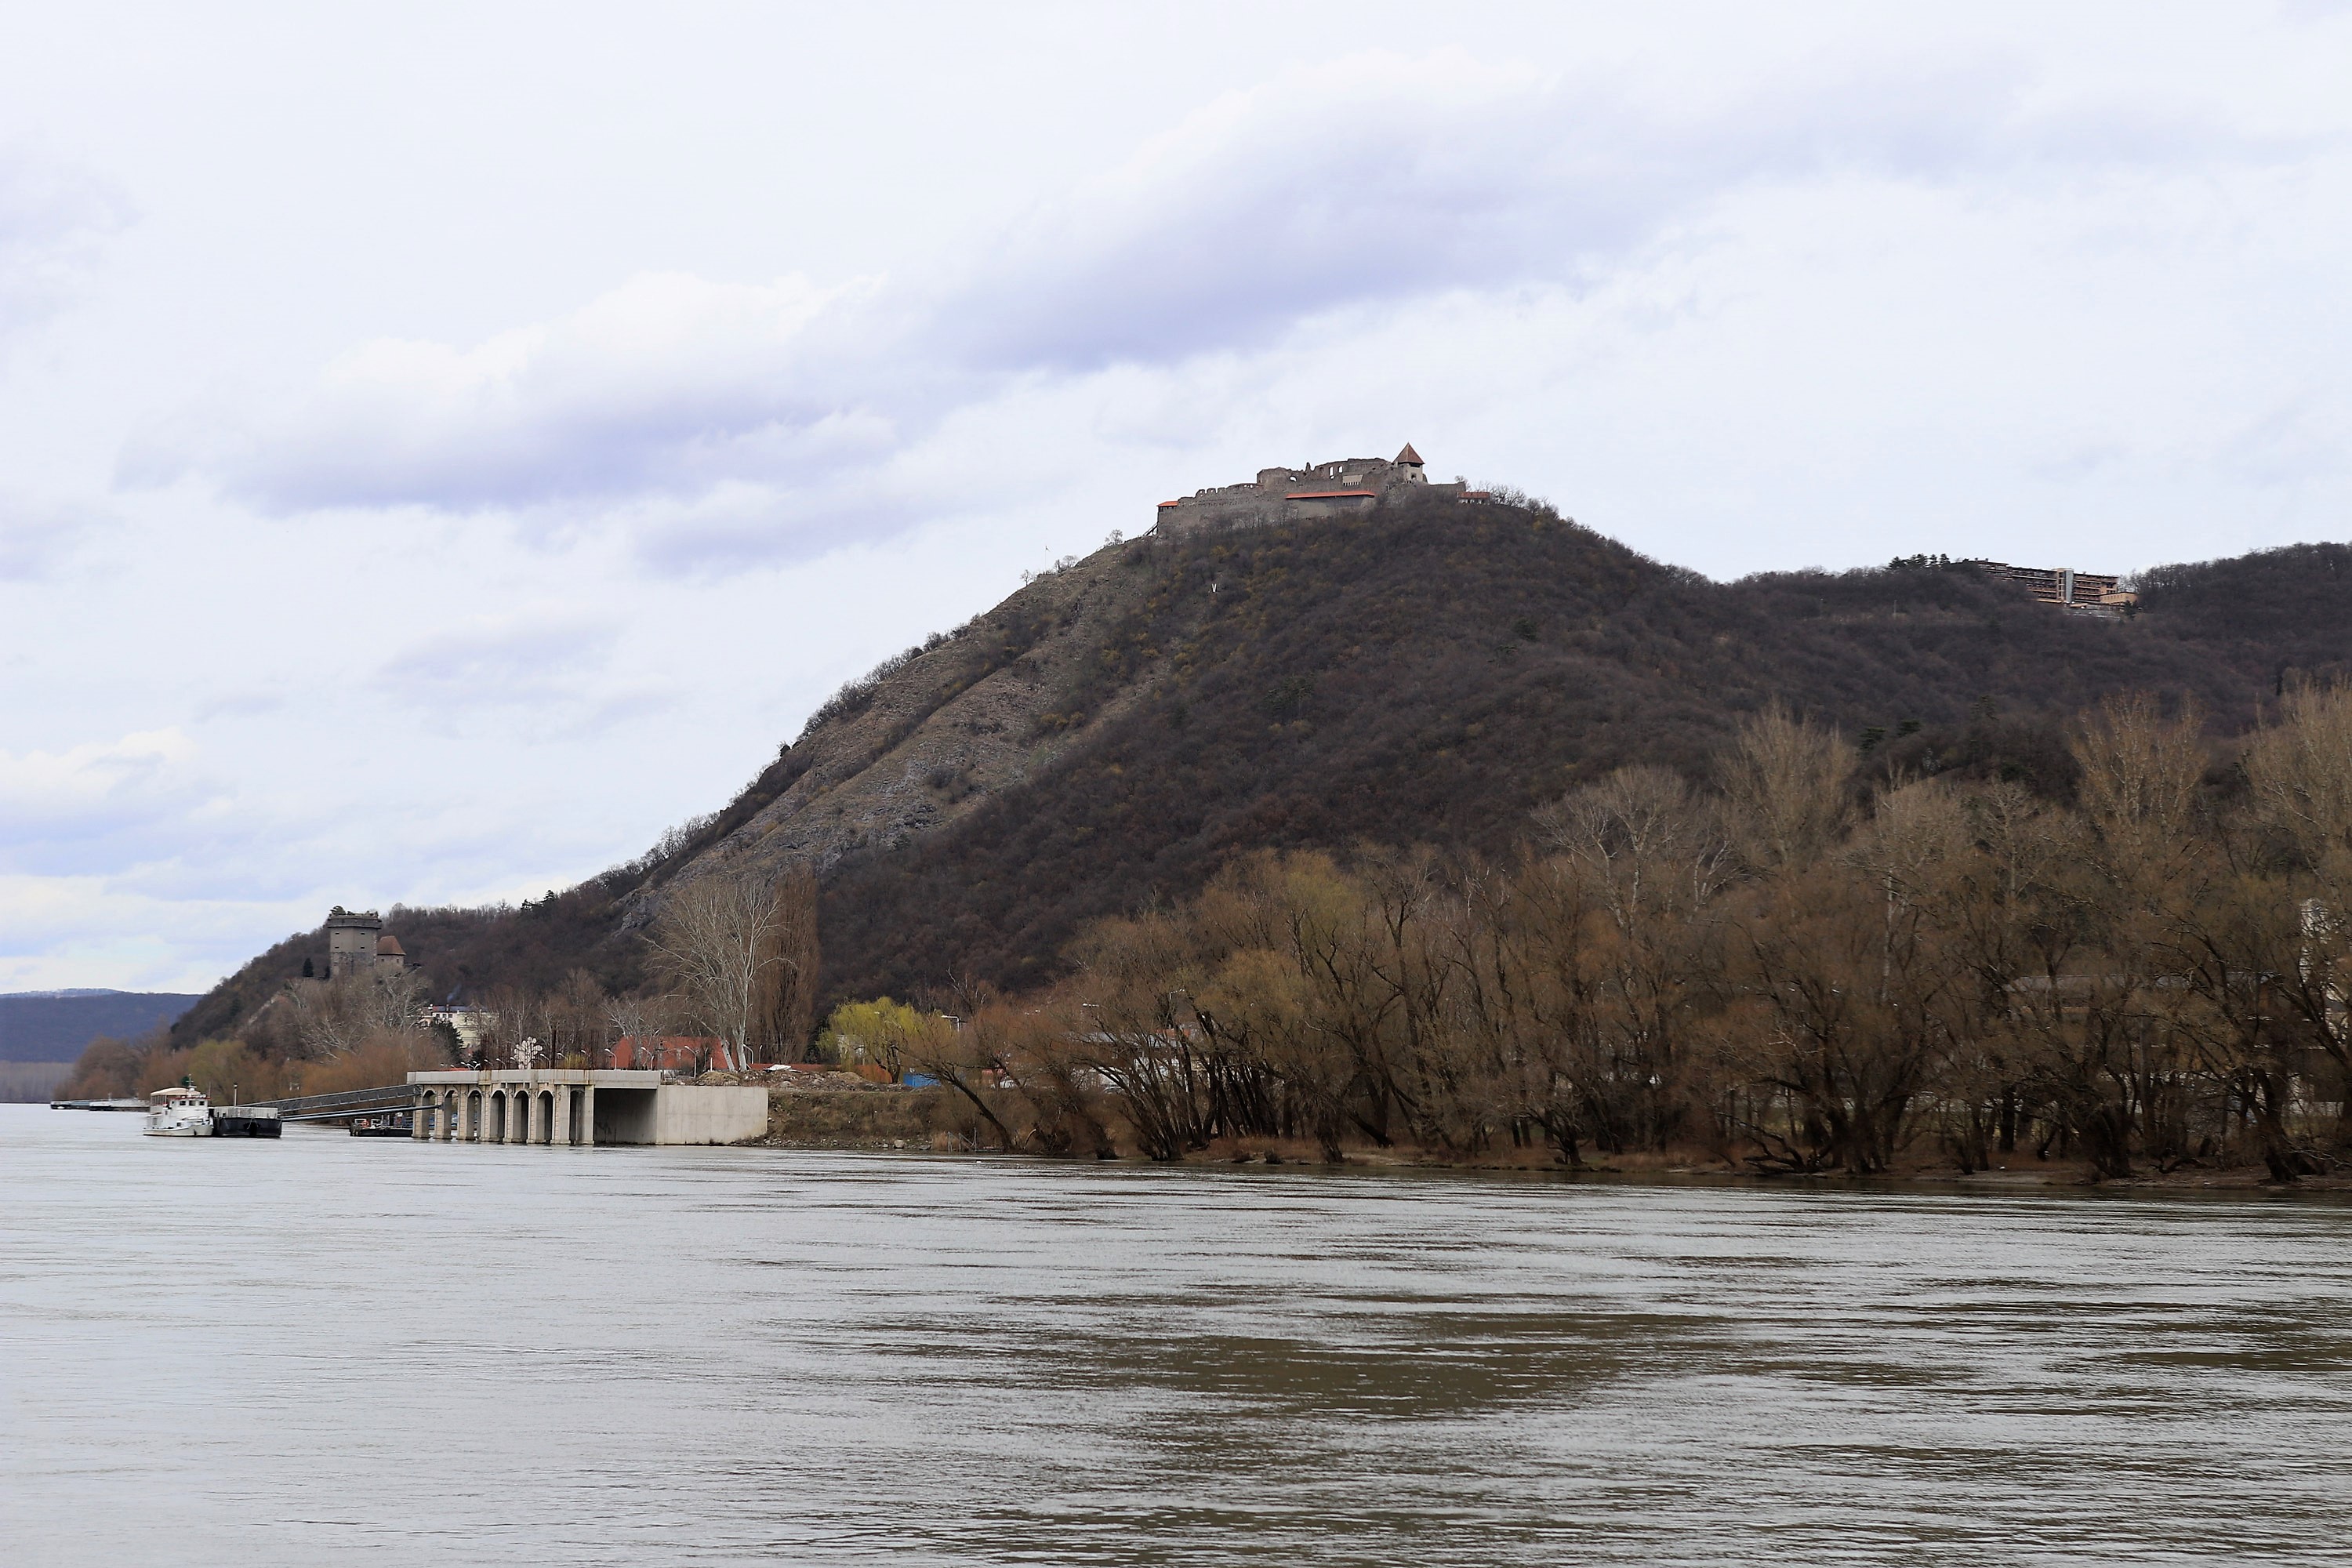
(840, 1112)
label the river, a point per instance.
(330, 1349)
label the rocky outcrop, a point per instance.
(982, 711)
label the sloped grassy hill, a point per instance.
(1115, 731)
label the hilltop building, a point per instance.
(1338, 489)
(357, 943)
(2079, 593)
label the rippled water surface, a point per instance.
(330, 1348)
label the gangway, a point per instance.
(350, 1102)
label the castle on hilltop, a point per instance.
(358, 944)
(1299, 495)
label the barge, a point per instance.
(185, 1113)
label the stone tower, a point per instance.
(350, 943)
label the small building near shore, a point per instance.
(676, 1053)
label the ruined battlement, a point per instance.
(1337, 488)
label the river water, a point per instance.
(330, 1348)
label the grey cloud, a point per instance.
(1304, 203)
(497, 665)
(548, 678)
(744, 525)
(241, 705)
(2292, 444)
(103, 808)
(667, 387)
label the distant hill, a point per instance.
(1431, 671)
(54, 1026)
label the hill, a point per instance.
(54, 1026)
(1432, 671)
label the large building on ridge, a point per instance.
(1299, 495)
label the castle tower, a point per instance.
(350, 942)
(1409, 466)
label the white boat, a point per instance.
(183, 1112)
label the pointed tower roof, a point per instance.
(1409, 456)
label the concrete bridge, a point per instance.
(565, 1106)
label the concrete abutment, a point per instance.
(572, 1108)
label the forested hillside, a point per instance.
(1118, 730)
(1435, 677)
(54, 1026)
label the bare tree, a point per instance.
(1786, 786)
(576, 1021)
(515, 1027)
(717, 943)
(785, 1009)
(1624, 914)
(334, 1018)
(2299, 768)
(642, 1021)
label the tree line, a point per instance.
(1790, 968)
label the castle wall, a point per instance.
(1337, 488)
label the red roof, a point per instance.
(1327, 495)
(1409, 456)
(1166, 504)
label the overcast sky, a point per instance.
(441, 446)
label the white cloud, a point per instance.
(53, 221)
(40, 539)
(665, 384)
(101, 805)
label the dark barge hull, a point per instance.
(231, 1122)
